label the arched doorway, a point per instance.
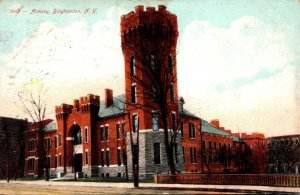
(77, 148)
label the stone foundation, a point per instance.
(147, 168)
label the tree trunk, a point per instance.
(169, 149)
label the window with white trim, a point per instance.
(155, 125)
(135, 123)
(86, 135)
(30, 164)
(132, 66)
(86, 157)
(133, 94)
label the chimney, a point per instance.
(108, 98)
(215, 123)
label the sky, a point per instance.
(238, 61)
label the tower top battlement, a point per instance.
(148, 17)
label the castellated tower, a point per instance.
(149, 39)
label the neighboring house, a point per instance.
(12, 148)
(50, 143)
(283, 154)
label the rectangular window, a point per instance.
(118, 131)
(192, 131)
(172, 92)
(86, 157)
(191, 155)
(155, 126)
(195, 155)
(47, 143)
(174, 122)
(135, 123)
(183, 154)
(209, 145)
(101, 133)
(86, 134)
(102, 158)
(107, 158)
(60, 160)
(119, 156)
(203, 145)
(55, 142)
(31, 145)
(30, 165)
(132, 65)
(123, 130)
(215, 145)
(55, 162)
(59, 140)
(133, 94)
(124, 157)
(156, 150)
(153, 66)
(106, 133)
(181, 129)
(154, 93)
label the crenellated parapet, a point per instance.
(141, 21)
(84, 104)
(62, 109)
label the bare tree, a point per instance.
(135, 149)
(133, 127)
(283, 153)
(225, 157)
(32, 99)
(154, 51)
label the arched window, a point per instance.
(76, 134)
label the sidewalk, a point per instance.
(193, 187)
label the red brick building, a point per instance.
(93, 136)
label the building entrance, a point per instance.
(78, 162)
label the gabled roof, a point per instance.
(208, 128)
(185, 112)
(117, 108)
(48, 124)
(50, 127)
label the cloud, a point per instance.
(242, 75)
(75, 60)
